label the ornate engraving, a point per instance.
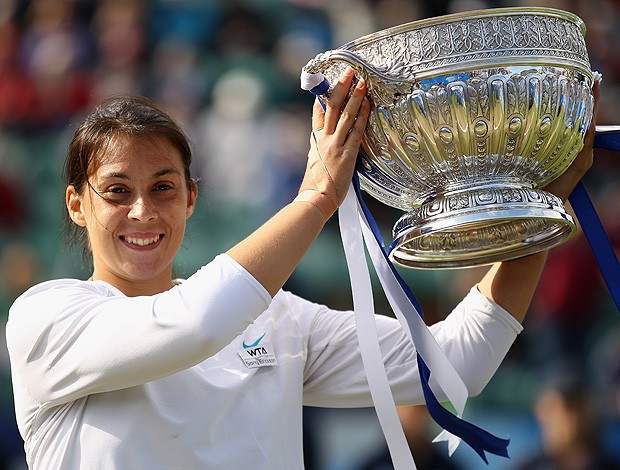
(461, 241)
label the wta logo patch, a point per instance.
(257, 353)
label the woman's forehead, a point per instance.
(136, 151)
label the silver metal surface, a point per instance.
(473, 113)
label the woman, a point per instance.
(132, 370)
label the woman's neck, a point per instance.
(135, 288)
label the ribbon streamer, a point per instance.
(409, 313)
(606, 137)
(367, 335)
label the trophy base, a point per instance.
(483, 225)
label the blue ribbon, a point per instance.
(609, 140)
(593, 228)
(320, 89)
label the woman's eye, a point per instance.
(116, 194)
(163, 187)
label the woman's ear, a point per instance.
(75, 206)
(192, 196)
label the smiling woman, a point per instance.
(118, 203)
(135, 210)
(130, 370)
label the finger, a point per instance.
(351, 112)
(596, 92)
(318, 116)
(359, 127)
(336, 100)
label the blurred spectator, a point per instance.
(177, 82)
(565, 310)
(19, 269)
(17, 93)
(606, 349)
(11, 207)
(56, 51)
(121, 38)
(180, 31)
(570, 424)
(192, 21)
(305, 34)
(233, 145)
(418, 429)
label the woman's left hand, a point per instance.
(334, 144)
(564, 184)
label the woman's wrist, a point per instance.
(323, 203)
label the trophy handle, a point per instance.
(383, 84)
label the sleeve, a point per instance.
(68, 340)
(475, 337)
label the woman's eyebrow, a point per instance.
(115, 174)
(166, 171)
(157, 174)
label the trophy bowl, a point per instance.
(472, 115)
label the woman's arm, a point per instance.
(512, 283)
(475, 338)
(68, 338)
(273, 251)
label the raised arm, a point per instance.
(512, 283)
(273, 251)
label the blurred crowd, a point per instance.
(228, 70)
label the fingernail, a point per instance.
(597, 76)
(361, 84)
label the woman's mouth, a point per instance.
(141, 241)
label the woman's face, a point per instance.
(135, 212)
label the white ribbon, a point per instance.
(310, 80)
(426, 345)
(367, 334)
(352, 219)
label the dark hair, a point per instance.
(113, 117)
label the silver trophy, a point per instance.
(473, 113)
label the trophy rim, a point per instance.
(467, 15)
(557, 227)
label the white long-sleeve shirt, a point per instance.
(209, 375)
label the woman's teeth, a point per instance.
(142, 241)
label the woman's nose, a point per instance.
(142, 209)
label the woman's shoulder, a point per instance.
(55, 290)
(294, 303)
(308, 313)
(51, 302)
